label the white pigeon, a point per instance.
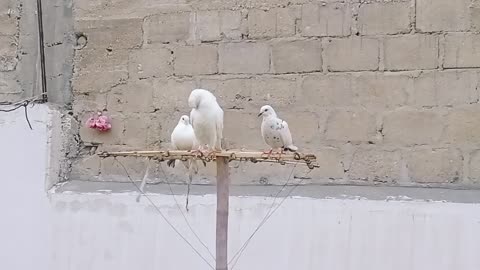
(275, 131)
(206, 118)
(183, 138)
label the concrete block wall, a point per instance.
(19, 52)
(10, 50)
(384, 92)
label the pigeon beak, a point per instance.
(260, 114)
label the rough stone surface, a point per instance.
(443, 15)
(384, 18)
(297, 56)
(377, 166)
(350, 126)
(398, 126)
(167, 28)
(446, 88)
(461, 51)
(195, 60)
(352, 54)
(244, 58)
(333, 19)
(271, 23)
(411, 52)
(435, 165)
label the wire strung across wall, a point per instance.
(234, 260)
(12, 106)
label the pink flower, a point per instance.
(99, 122)
(103, 123)
(91, 122)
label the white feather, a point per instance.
(206, 118)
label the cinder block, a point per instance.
(196, 60)
(474, 167)
(461, 50)
(167, 28)
(98, 81)
(463, 125)
(413, 127)
(348, 125)
(352, 54)
(332, 19)
(124, 169)
(142, 130)
(100, 60)
(278, 22)
(208, 25)
(324, 90)
(380, 91)
(242, 129)
(231, 24)
(375, 165)
(251, 93)
(8, 53)
(297, 56)
(172, 94)
(445, 88)
(330, 160)
(92, 102)
(8, 24)
(427, 165)
(112, 33)
(380, 18)
(86, 168)
(150, 62)
(136, 96)
(442, 15)
(245, 57)
(475, 15)
(411, 52)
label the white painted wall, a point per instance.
(94, 231)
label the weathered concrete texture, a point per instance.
(18, 51)
(384, 92)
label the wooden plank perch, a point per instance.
(237, 155)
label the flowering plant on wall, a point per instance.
(99, 122)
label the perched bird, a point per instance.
(207, 119)
(275, 131)
(183, 138)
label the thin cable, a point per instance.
(183, 214)
(240, 252)
(42, 50)
(163, 216)
(266, 215)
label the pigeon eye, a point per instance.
(266, 109)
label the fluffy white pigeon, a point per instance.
(206, 118)
(183, 138)
(275, 131)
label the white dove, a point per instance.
(275, 131)
(183, 138)
(207, 119)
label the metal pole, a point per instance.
(223, 194)
(41, 50)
